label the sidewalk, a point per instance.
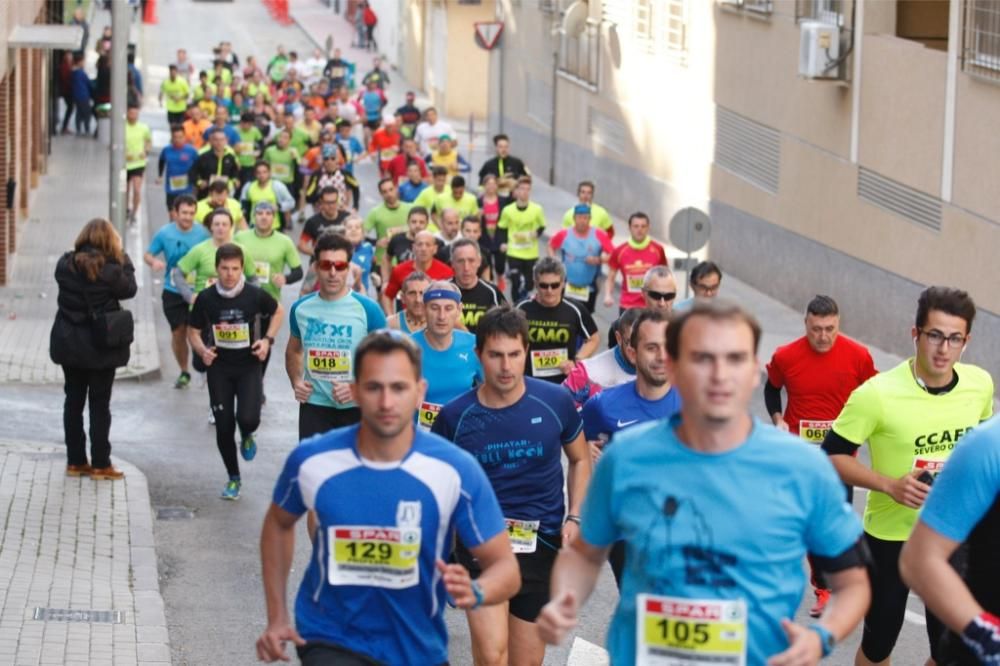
(72, 192)
(78, 576)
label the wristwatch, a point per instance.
(269, 339)
(826, 638)
(477, 591)
(572, 519)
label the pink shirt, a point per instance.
(633, 264)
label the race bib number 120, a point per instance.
(374, 556)
(548, 362)
(672, 631)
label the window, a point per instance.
(580, 57)
(660, 26)
(981, 47)
(764, 7)
(828, 11)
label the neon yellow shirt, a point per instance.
(200, 261)
(271, 254)
(175, 94)
(137, 137)
(521, 226)
(905, 425)
(465, 206)
(232, 205)
(429, 195)
(599, 218)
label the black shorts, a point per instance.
(171, 198)
(176, 117)
(175, 309)
(316, 419)
(373, 124)
(536, 574)
(888, 610)
(132, 173)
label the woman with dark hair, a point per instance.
(88, 344)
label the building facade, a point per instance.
(867, 184)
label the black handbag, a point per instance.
(112, 329)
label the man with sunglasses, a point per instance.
(818, 371)
(633, 259)
(658, 291)
(911, 416)
(326, 327)
(555, 325)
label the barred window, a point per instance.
(981, 39)
(580, 56)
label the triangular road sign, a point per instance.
(488, 33)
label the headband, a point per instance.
(435, 294)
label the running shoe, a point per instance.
(231, 491)
(183, 381)
(822, 596)
(248, 448)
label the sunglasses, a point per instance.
(326, 264)
(661, 295)
(549, 285)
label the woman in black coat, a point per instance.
(91, 278)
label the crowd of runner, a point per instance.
(434, 414)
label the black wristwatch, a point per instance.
(572, 519)
(269, 339)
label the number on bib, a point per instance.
(523, 535)
(635, 282)
(428, 414)
(374, 556)
(814, 432)
(178, 182)
(331, 365)
(548, 362)
(672, 631)
(231, 336)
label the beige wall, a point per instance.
(977, 147)
(412, 34)
(15, 12)
(468, 64)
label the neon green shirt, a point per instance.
(428, 196)
(175, 94)
(599, 218)
(137, 138)
(904, 426)
(200, 260)
(271, 255)
(282, 163)
(521, 226)
(246, 149)
(465, 206)
(381, 219)
(232, 205)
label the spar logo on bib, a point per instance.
(936, 442)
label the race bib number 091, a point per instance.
(231, 336)
(814, 432)
(374, 556)
(672, 631)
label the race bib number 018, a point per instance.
(374, 556)
(523, 535)
(814, 432)
(672, 631)
(331, 365)
(231, 336)
(548, 362)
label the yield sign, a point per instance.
(488, 33)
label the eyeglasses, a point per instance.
(326, 264)
(661, 295)
(707, 288)
(549, 285)
(937, 338)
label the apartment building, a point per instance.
(866, 182)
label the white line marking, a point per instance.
(585, 653)
(915, 618)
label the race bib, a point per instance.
(386, 154)
(635, 282)
(931, 466)
(231, 336)
(262, 269)
(244, 148)
(523, 240)
(523, 535)
(331, 365)
(548, 362)
(374, 556)
(281, 171)
(178, 182)
(672, 631)
(428, 414)
(814, 431)
(579, 293)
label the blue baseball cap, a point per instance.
(581, 209)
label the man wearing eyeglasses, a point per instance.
(911, 416)
(326, 327)
(705, 281)
(555, 324)
(818, 371)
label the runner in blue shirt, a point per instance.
(389, 502)
(648, 397)
(518, 428)
(326, 327)
(718, 512)
(451, 366)
(962, 508)
(176, 160)
(173, 240)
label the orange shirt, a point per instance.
(386, 144)
(194, 132)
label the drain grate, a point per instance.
(174, 513)
(69, 615)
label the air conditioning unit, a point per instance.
(819, 49)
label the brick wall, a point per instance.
(6, 154)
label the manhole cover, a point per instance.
(174, 513)
(71, 615)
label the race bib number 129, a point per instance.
(374, 556)
(673, 631)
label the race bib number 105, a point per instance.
(673, 631)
